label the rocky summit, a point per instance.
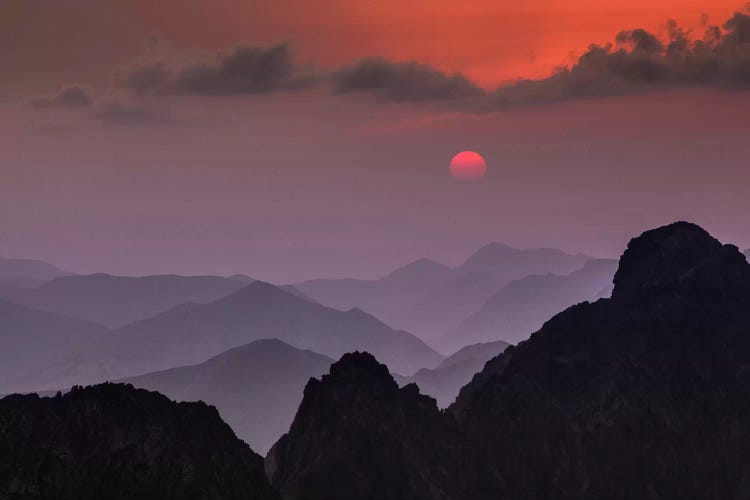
(112, 441)
(642, 396)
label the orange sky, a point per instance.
(490, 41)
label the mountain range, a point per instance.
(641, 395)
(521, 307)
(428, 298)
(190, 333)
(114, 301)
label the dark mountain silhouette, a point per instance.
(644, 395)
(429, 298)
(256, 387)
(27, 272)
(457, 370)
(523, 306)
(29, 337)
(117, 300)
(115, 442)
(191, 333)
(357, 435)
(747, 254)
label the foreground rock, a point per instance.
(116, 442)
(642, 396)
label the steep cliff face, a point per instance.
(116, 442)
(357, 435)
(642, 396)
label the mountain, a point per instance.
(642, 395)
(256, 387)
(29, 337)
(508, 263)
(26, 272)
(747, 254)
(191, 333)
(357, 435)
(523, 306)
(117, 300)
(113, 441)
(444, 382)
(429, 298)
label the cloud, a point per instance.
(244, 70)
(639, 61)
(72, 97)
(119, 113)
(398, 81)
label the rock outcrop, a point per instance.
(116, 442)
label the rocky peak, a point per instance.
(680, 260)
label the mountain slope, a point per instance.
(643, 395)
(29, 337)
(523, 306)
(117, 300)
(112, 441)
(256, 387)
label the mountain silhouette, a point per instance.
(747, 254)
(444, 382)
(643, 395)
(523, 306)
(357, 435)
(116, 442)
(117, 300)
(256, 387)
(30, 337)
(27, 272)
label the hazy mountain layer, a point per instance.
(31, 338)
(522, 307)
(429, 298)
(27, 272)
(257, 387)
(444, 382)
(117, 300)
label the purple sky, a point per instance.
(306, 183)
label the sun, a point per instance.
(468, 165)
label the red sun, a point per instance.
(468, 165)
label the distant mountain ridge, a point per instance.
(190, 333)
(117, 300)
(30, 337)
(522, 306)
(428, 298)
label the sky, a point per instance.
(289, 140)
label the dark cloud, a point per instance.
(134, 114)
(71, 98)
(403, 81)
(245, 70)
(639, 61)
